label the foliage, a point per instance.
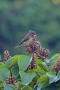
(18, 16)
(40, 78)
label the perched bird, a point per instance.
(27, 39)
(33, 46)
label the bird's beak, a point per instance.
(34, 37)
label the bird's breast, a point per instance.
(28, 42)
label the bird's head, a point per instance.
(32, 34)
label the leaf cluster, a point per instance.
(41, 78)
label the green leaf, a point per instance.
(19, 84)
(26, 78)
(4, 73)
(12, 61)
(1, 63)
(52, 73)
(15, 60)
(24, 62)
(27, 88)
(9, 63)
(2, 84)
(52, 77)
(55, 57)
(44, 80)
(42, 65)
(2, 66)
(53, 61)
(39, 61)
(38, 70)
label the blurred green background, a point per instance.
(17, 17)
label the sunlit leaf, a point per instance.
(39, 70)
(15, 60)
(42, 65)
(2, 66)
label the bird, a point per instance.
(31, 35)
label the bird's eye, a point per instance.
(33, 34)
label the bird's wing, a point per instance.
(24, 40)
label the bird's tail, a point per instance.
(16, 47)
(19, 45)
